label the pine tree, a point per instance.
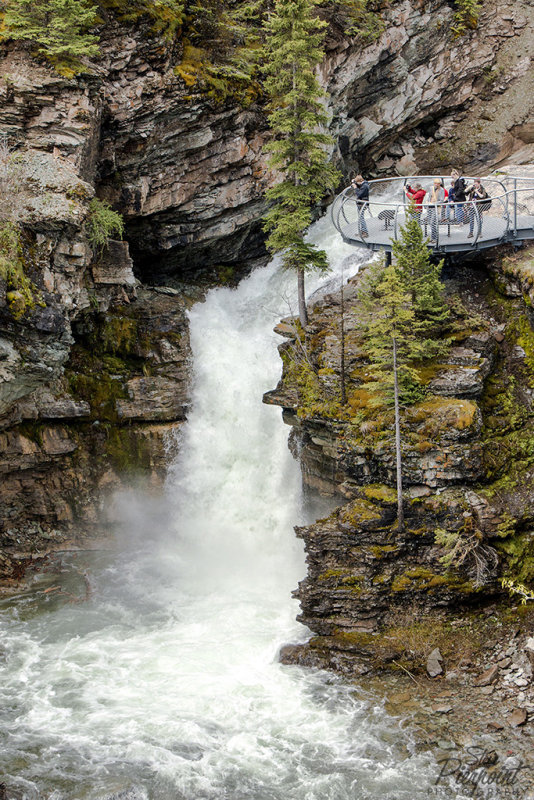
(292, 52)
(422, 279)
(391, 344)
(59, 28)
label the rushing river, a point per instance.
(165, 683)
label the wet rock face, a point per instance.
(361, 572)
(187, 170)
(201, 196)
(96, 414)
(467, 474)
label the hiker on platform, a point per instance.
(450, 201)
(437, 199)
(476, 194)
(360, 189)
(459, 195)
(416, 194)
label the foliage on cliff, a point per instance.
(59, 29)
(292, 52)
(166, 16)
(220, 40)
(102, 224)
(20, 292)
(465, 16)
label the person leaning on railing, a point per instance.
(437, 199)
(459, 195)
(476, 195)
(416, 194)
(360, 190)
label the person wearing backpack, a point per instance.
(459, 195)
(476, 195)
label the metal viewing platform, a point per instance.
(377, 222)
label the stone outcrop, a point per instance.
(419, 97)
(104, 413)
(467, 470)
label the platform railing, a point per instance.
(504, 214)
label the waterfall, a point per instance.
(166, 684)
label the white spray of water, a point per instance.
(168, 680)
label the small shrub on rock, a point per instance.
(102, 224)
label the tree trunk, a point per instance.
(303, 311)
(400, 507)
(342, 361)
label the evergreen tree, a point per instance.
(422, 279)
(59, 28)
(292, 52)
(391, 343)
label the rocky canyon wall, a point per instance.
(468, 472)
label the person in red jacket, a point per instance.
(416, 194)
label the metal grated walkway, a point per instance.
(447, 226)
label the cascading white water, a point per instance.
(166, 683)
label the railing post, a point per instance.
(515, 207)
(478, 218)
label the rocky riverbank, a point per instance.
(476, 715)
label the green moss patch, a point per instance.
(380, 493)
(360, 511)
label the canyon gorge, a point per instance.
(131, 390)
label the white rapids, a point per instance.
(165, 685)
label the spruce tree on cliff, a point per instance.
(59, 28)
(406, 319)
(422, 279)
(294, 36)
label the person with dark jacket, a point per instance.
(360, 189)
(450, 199)
(475, 195)
(459, 195)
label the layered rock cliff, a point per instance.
(468, 471)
